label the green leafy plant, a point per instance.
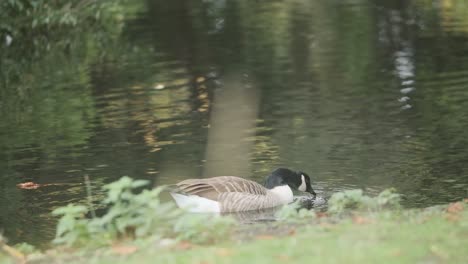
(389, 198)
(294, 213)
(72, 226)
(26, 248)
(135, 215)
(132, 214)
(355, 199)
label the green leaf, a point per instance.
(65, 224)
(70, 209)
(139, 183)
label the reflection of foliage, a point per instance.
(45, 67)
(451, 12)
(40, 110)
(46, 104)
(439, 141)
(42, 23)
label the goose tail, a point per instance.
(195, 203)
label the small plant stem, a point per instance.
(89, 195)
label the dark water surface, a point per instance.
(358, 94)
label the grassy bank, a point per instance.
(382, 238)
(433, 235)
(137, 228)
(409, 237)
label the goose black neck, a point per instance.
(279, 177)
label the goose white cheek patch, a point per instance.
(303, 186)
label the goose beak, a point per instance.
(311, 191)
(314, 194)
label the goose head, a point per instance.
(295, 180)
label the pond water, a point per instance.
(358, 94)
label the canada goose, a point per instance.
(234, 194)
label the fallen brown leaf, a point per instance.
(33, 185)
(423, 220)
(327, 225)
(452, 217)
(292, 232)
(224, 252)
(321, 214)
(265, 237)
(184, 245)
(361, 220)
(396, 253)
(124, 249)
(28, 185)
(455, 208)
(283, 257)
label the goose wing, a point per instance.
(211, 188)
(239, 202)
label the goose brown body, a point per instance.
(233, 194)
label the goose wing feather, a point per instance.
(237, 202)
(211, 188)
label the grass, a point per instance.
(433, 235)
(412, 237)
(138, 228)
